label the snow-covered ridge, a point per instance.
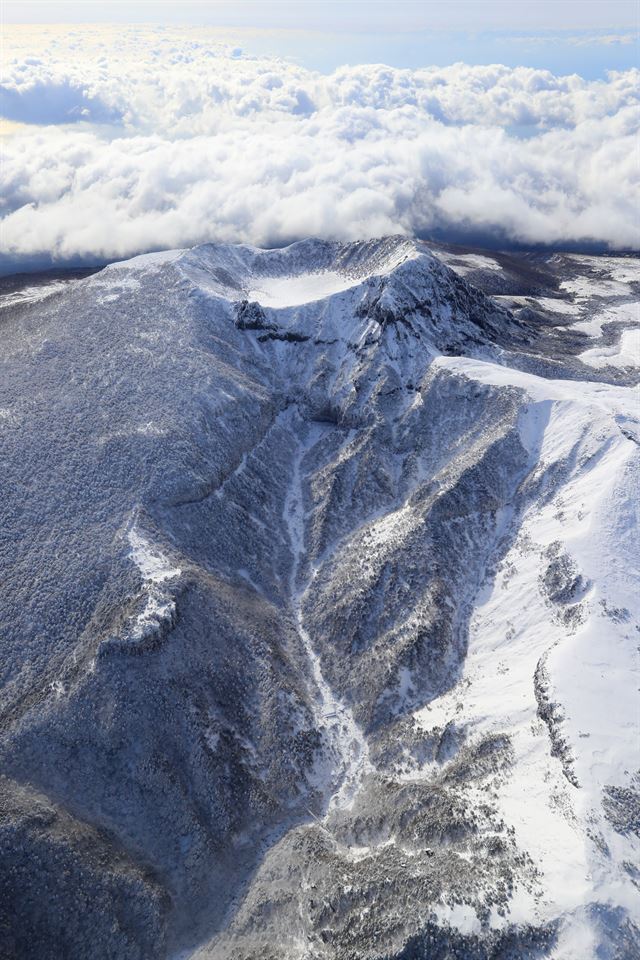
(327, 291)
(237, 262)
(295, 278)
(236, 266)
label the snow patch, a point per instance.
(146, 261)
(154, 566)
(32, 294)
(464, 263)
(624, 353)
(339, 773)
(293, 291)
(156, 569)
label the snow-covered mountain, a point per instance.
(320, 607)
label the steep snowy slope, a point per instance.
(320, 613)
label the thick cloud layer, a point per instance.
(160, 138)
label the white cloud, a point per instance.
(164, 138)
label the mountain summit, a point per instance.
(317, 640)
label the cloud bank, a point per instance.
(149, 138)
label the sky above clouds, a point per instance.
(566, 36)
(123, 138)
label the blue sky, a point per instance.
(587, 37)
